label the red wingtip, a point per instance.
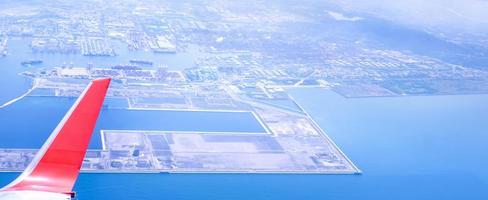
(56, 166)
(107, 79)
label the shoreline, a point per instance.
(34, 85)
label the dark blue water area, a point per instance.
(28, 122)
(12, 85)
(116, 102)
(423, 147)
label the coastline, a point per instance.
(33, 86)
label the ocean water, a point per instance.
(12, 85)
(423, 147)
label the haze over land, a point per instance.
(446, 18)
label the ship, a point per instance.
(31, 62)
(126, 67)
(141, 62)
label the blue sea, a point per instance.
(422, 147)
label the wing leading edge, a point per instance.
(56, 166)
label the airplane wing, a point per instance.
(56, 165)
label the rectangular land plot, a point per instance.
(212, 152)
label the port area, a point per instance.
(289, 141)
(200, 152)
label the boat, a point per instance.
(141, 62)
(126, 67)
(31, 62)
